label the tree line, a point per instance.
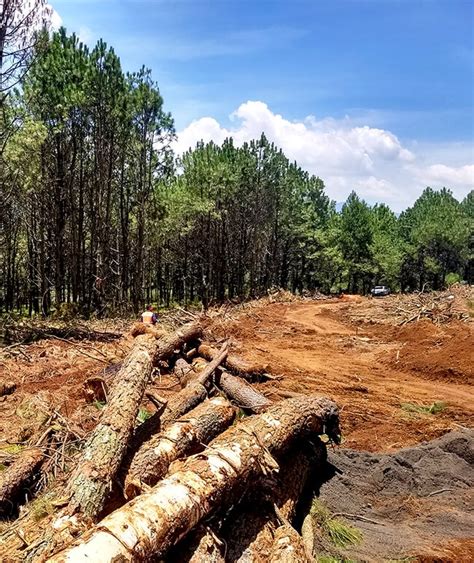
(99, 214)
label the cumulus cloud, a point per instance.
(370, 160)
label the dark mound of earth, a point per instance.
(417, 502)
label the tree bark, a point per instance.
(288, 546)
(103, 452)
(249, 534)
(242, 393)
(153, 522)
(16, 475)
(236, 364)
(200, 546)
(183, 437)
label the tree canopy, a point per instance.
(98, 213)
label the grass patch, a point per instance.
(434, 408)
(99, 405)
(13, 449)
(143, 415)
(338, 532)
(44, 505)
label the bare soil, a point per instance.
(385, 377)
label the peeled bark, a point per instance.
(200, 546)
(236, 364)
(151, 523)
(92, 478)
(185, 436)
(242, 393)
(288, 546)
(16, 475)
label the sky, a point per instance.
(371, 95)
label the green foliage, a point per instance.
(338, 532)
(99, 405)
(101, 217)
(434, 408)
(143, 415)
(452, 278)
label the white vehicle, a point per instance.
(380, 291)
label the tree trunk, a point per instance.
(192, 394)
(249, 533)
(153, 522)
(14, 477)
(242, 393)
(236, 364)
(92, 478)
(183, 437)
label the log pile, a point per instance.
(216, 474)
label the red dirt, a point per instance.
(370, 370)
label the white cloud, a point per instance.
(85, 35)
(372, 161)
(56, 19)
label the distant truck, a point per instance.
(380, 291)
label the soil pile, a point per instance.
(417, 502)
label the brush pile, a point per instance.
(439, 307)
(215, 473)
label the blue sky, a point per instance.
(358, 67)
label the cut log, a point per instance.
(152, 522)
(194, 393)
(185, 436)
(236, 364)
(7, 388)
(249, 533)
(177, 406)
(16, 475)
(183, 371)
(103, 452)
(288, 546)
(242, 393)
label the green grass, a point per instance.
(434, 408)
(99, 405)
(12, 448)
(143, 415)
(338, 532)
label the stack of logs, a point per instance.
(215, 474)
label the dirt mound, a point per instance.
(408, 503)
(447, 350)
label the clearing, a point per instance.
(399, 379)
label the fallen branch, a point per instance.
(236, 364)
(16, 475)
